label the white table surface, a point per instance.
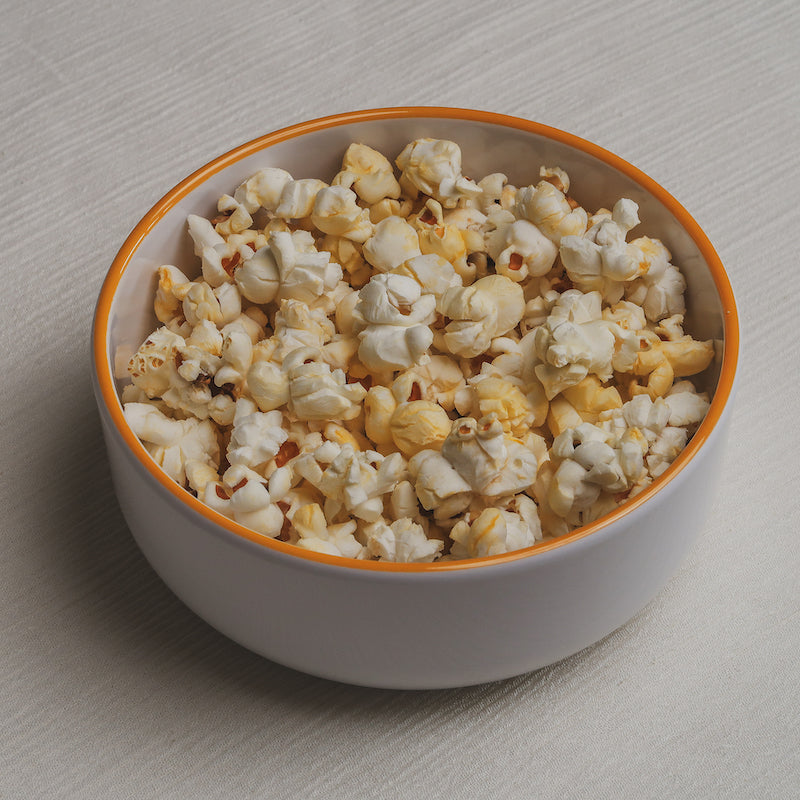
(109, 686)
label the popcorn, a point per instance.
(336, 211)
(262, 190)
(434, 274)
(491, 463)
(256, 436)
(686, 407)
(368, 173)
(437, 380)
(547, 207)
(288, 268)
(393, 242)
(403, 541)
(297, 198)
(353, 481)
(441, 237)
(299, 325)
(394, 315)
(174, 444)
(490, 307)
(418, 425)
(315, 391)
(576, 341)
(168, 304)
(316, 534)
(519, 249)
(496, 531)
(433, 166)
(438, 485)
(660, 291)
(244, 496)
(494, 395)
(417, 366)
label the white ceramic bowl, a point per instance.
(431, 625)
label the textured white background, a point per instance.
(109, 687)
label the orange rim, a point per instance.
(113, 406)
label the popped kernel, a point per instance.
(411, 365)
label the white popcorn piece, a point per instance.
(445, 239)
(393, 241)
(316, 534)
(350, 257)
(263, 189)
(471, 223)
(249, 501)
(438, 485)
(403, 541)
(157, 369)
(288, 268)
(651, 418)
(439, 381)
(318, 393)
(235, 358)
(585, 465)
(665, 449)
(201, 355)
(402, 504)
(234, 217)
(354, 480)
(660, 291)
(518, 248)
(152, 368)
(687, 408)
(297, 198)
(256, 435)
(173, 444)
(496, 531)
(368, 173)
(200, 303)
(299, 325)
(627, 315)
(601, 260)
(490, 307)
(576, 341)
(215, 253)
(547, 207)
(336, 212)
(491, 463)
(230, 304)
(496, 192)
(258, 278)
(394, 316)
(433, 166)
(434, 274)
(268, 385)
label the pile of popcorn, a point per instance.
(413, 366)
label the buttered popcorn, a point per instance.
(408, 364)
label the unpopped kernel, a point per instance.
(409, 365)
